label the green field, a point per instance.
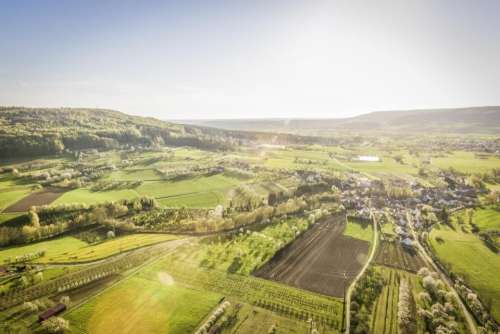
(466, 255)
(486, 219)
(387, 166)
(53, 247)
(208, 199)
(359, 230)
(466, 162)
(8, 216)
(155, 305)
(69, 249)
(286, 159)
(162, 189)
(87, 196)
(8, 197)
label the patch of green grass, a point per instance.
(359, 230)
(466, 162)
(108, 248)
(134, 175)
(9, 197)
(466, 255)
(84, 195)
(387, 165)
(159, 189)
(8, 216)
(52, 248)
(69, 249)
(145, 306)
(199, 200)
(487, 219)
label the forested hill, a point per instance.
(462, 120)
(47, 131)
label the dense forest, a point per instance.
(47, 131)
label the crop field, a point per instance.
(386, 166)
(69, 249)
(107, 248)
(207, 199)
(466, 162)
(53, 247)
(392, 254)
(291, 302)
(467, 256)
(134, 175)
(384, 317)
(322, 260)
(9, 197)
(43, 197)
(251, 319)
(146, 305)
(165, 189)
(84, 195)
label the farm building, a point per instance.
(55, 310)
(407, 242)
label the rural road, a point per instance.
(353, 284)
(471, 323)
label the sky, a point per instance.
(250, 59)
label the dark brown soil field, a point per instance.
(43, 197)
(392, 254)
(321, 260)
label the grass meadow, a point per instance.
(70, 249)
(146, 305)
(359, 230)
(466, 255)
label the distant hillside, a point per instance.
(462, 120)
(47, 131)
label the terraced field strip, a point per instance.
(384, 318)
(347, 301)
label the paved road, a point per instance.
(353, 284)
(471, 323)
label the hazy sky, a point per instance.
(221, 59)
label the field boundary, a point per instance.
(347, 300)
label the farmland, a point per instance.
(172, 229)
(384, 317)
(69, 249)
(393, 254)
(459, 251)
(307, 263)
(174, 309)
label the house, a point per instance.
(407, 242)
(55, 310)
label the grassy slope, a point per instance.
(84, 195)
(69, 249)
(51, 247)
(467, 256)
(487, 219)
(358, 230)
(146, 306)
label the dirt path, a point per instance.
(471, 323)
(351, 287)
